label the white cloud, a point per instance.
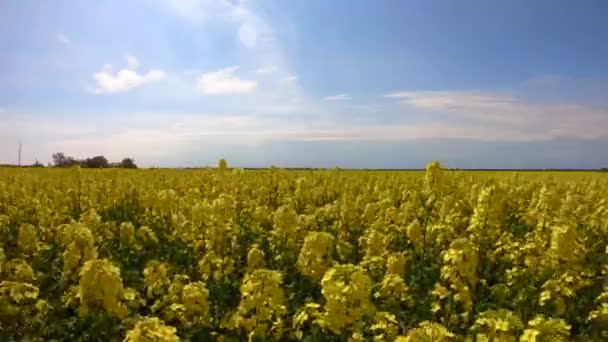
(63, 39)
(289, 79)
(483, 106)
(275, 85)
(249, 27)
(369, 108)
(510, 113)
(224, 81)
(199, 10)
(126, 79)
(337, 97)
(154, 137)
(266, 70)
(252, 30)
(247, 35)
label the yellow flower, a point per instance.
(156, 278)
(127, 233)
(255, 258)
(195, 298)
(346, 289)
(100, 287)
(27, 239)
(427, 332)
(315, 258)
(262, 307)
(152, 330)
(395, 264)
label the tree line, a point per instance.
(97, 162)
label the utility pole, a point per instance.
(19, 152)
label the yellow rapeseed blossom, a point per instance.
(395, 264)
(195, 298)
(393, 289)
(385, 327)
(255, 258)
(20, 270)
(346, 289)
(433, 175)
(564, 243)
(27, 239)
(427, 332)
(156, 278)
(18, 292)
(284, 234)
(310, 255)
(498, 326)
(2, 260)
(100, 287)
(315, 254)
(79, 247)
(126, 233)
(542, 329)
(151, 330)
(262, 309)
(146, 235)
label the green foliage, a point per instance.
(222, 164)
(128, 163)
(97, 162)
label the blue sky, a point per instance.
(307, 83)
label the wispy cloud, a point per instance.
(126, 79)
(152, 137)
(277, 85)
(510, 113)
(248, 35)
(224, 81)
(199, 10)
(338, 97)
(249, 27)
(474, 105)
(288, 79)
(266, 70)
(63, 39)
(369, 108)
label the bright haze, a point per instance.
(370, 84)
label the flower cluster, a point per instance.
(310, 255)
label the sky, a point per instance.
(316, 83)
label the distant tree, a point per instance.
(222, 164)
(61, 160)
(37, 164)
(128, 163)
(72, 162)
(95, 162)
(604, 169)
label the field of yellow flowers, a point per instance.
(275, 255)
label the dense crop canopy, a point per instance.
(275, 255)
